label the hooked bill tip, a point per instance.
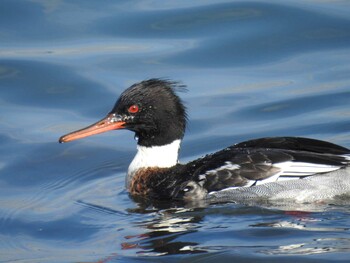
(63, 139)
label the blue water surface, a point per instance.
(253, 69)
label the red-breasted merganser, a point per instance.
(157, 115)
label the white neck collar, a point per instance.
(157, 156)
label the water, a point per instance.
(253, 69)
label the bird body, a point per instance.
(266, 167)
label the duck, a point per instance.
(270, 167)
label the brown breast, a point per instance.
(141, 182)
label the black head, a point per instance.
(153, 111)
(150, 108)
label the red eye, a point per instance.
(133, 108)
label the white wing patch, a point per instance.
(347, 158)
(303, 169)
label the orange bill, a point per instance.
(111, 122)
